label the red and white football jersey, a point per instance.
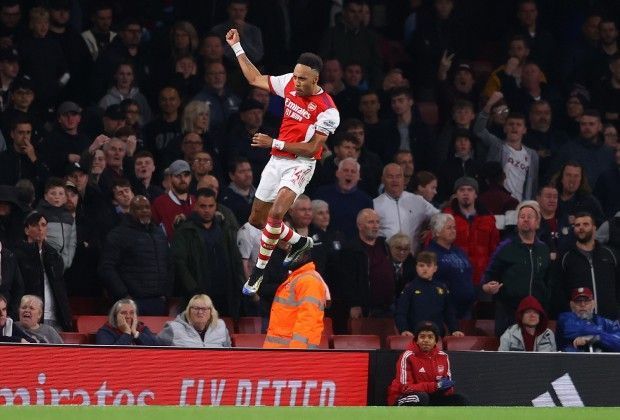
(303, 116)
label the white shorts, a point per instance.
(280, 172)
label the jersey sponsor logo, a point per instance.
(294, 111)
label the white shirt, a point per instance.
(516, 167)
(248, 242)
(407, 215)
(49, 311)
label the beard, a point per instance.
(585, 238)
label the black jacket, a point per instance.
(424, 300)
(354, 272)
(136, 261)
(602, 277)
(11, 283)
(32, 265)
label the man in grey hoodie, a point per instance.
(520, 163)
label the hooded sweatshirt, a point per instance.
(517, 339)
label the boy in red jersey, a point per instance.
(309, 117)
(423, 374)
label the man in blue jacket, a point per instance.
(584, 330)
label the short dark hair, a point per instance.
(590, 112)
(427, 257)
(542, 187)
(461, 133)
(402, 152)
(423, 178)
(351, 123)
(235, 162)
(519, 37)
(401, 90)
(101, 5)
(143, 154)
(54, 182)
(516, 116)
(3, 299)
(426, 326)
(585, 214)
(128, 22)
(344, 136)
(461, 104)
(17, 120)
(120, 183)
(205, 192)
(311, 60)
(33, 218)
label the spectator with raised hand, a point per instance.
(123, 327)
(31, 320)
(423, 375)
(520, 163)
(198, 325)
(460, 87)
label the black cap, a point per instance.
(75, 166)
(22, 82)
(9, 54)
(8, 194)
(114, 112)
(249, 104)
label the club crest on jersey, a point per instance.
(311, 106)
(440, 291)
(440, 368)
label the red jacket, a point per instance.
(417, 371)
(478, 239)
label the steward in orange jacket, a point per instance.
(296, 319)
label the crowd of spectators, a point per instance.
(481, 139)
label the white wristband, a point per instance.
(277, 144)
(237, 49)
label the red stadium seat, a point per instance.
(383, 327)
(90, 323)
(74, 338)
(230, 324)
(485, 327)
(356, 342)
(401, 342)
(248, 340)
(173, 306)
(155, 323)
(328, 327)
(471, 343)
(250, 325)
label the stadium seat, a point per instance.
(74, 338)
(356, 342)
(471, 343)
(398, 342)
(429, 113)
(248, 340)
(250, 325)
(155, 323)
(401, 342)
(230, 324)
(383, 327)
(90, 323)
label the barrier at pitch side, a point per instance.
(60, 375)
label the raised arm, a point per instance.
(251, 73)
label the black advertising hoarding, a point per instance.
(520, 379)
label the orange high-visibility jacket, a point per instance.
(296, 319)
